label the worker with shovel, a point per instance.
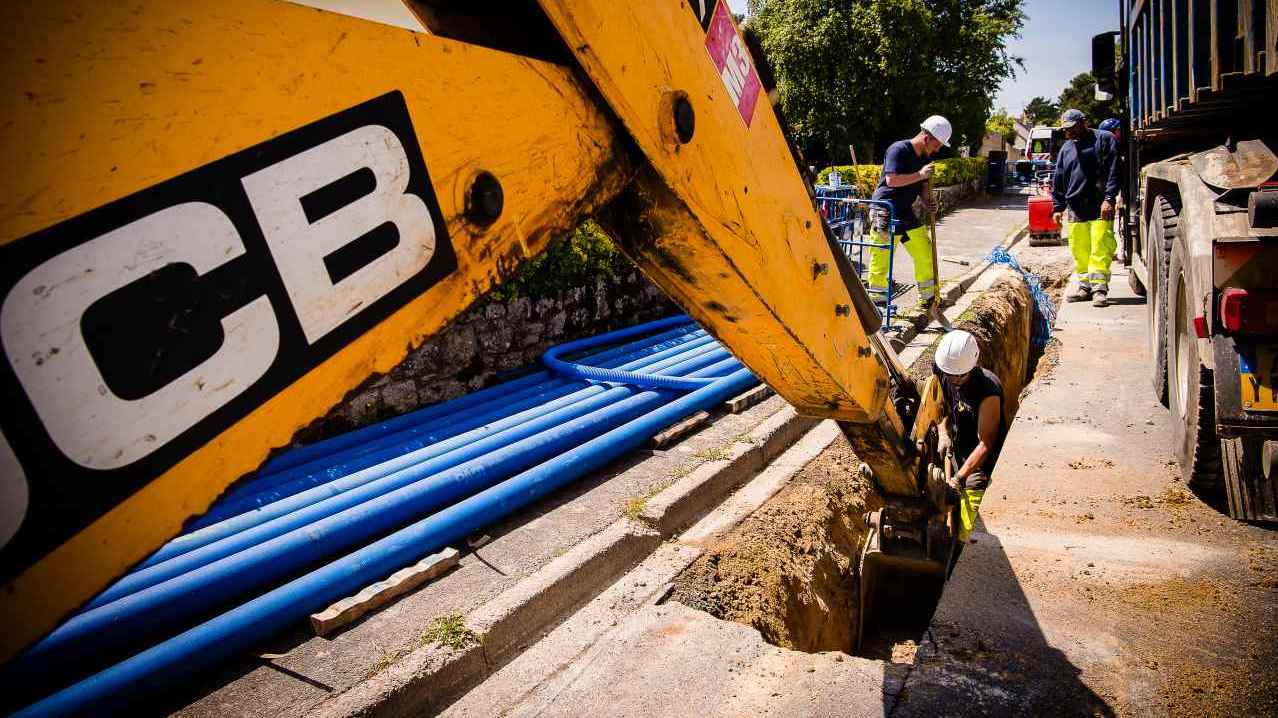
(973, 430)
(906, 174)
(1085, 181)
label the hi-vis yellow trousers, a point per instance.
(1093, 246)
(919, 245)
(969, 505)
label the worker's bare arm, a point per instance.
(901, 180)
(987, 431)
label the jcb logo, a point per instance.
(137, 332)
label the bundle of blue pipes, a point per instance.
(320, 522)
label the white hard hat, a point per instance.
(938, 127)
(957, 353)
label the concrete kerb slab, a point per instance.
(430, 676)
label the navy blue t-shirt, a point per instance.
(1087, 171)
(901, 160)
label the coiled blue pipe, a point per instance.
(323, 454)
(123, 622)
(241, 532)
(242, 627)
(259, 508)
(595, 373)
(359, 436)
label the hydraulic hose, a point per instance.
(238, 629)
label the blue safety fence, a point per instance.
(849, 219)
(1044, 311)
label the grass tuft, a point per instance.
(449, 631)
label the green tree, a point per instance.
(1081, 94)
(1041, 111)
(1002, 125)
(866, 72)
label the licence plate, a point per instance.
(1258, 371)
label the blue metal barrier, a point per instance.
(848, 216)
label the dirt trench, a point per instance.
(790, 569)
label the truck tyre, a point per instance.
(1189, 386)
(1163, 229)
(1251, 486)
(1125, 252)
(1138, 289)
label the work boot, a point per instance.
(1100, 297)
(1081, 293)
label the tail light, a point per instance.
(1253, 311)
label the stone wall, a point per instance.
(492, 342)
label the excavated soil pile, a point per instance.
(790, 569)
(1001, 317)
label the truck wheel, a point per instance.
(1164, 228)
(1252, 490)
(1138, 289)
(1189, 387)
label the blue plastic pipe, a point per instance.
(596, 373)
(258, 508)
(362, 435)
(123, 622)
(241, 532)
(246, 625)
(370, 438)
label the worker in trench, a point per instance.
(973, 430)
(906, 171)
(1085, 182)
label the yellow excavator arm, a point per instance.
(313, 195)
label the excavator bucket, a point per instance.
(901, 577)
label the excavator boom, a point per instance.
(220, 218)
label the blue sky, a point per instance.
(1056, 44)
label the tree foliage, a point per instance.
(866, 72)
(1041, 111)
(1002, 125)
(575, 260)
(1081, 94)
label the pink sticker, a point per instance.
(733, 62)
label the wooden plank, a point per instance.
(1166, 78)
(350, 609)
(1181, 59)
(679, 430)
(1136, 11)
(1145, 72)
(1248, 39)
(1216, 48)
(1157, 64)
(1271, 37)
(741, 402)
